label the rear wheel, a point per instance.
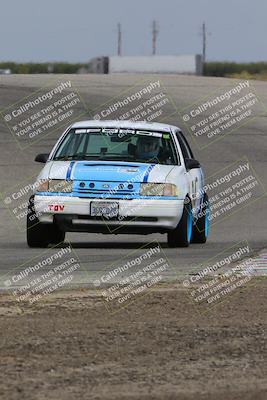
(182, 234)
(41, 235)
(201, 226)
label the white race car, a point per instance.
(116, 177)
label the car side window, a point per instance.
(187, 152)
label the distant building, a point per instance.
(5, 71)
(99, 65)
(190, 64)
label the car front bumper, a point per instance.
(137, 215)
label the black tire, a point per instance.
(181, 235)
(57, 235)
(201, 225)
(41, 235)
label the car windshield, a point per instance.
(118, 145)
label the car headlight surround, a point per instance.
(159, 189)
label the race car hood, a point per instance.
(106, 171)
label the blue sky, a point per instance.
(64, 30)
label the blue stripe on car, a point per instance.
(146, 175)
(69, 170)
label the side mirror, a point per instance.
(190, 163)
(42, 158)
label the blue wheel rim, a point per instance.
(189, 225)
(207, 223)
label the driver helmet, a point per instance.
(147, 147)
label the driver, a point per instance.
(147, 147)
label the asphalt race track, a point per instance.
(97, 252)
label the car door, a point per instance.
(195, 175)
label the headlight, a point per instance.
(60, 186)
(54, 186)
(158, 189)
(42, 185)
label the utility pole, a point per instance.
(119, 39)
(155, 32)
(204, 42)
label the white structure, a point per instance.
(188, 64)
(191, 64)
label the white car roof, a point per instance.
(124, 124)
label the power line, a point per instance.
(119, 39)
(204, 42)
(155, 32)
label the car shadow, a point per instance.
(111, 245)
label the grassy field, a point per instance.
(257, 71)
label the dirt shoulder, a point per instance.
(159, 347)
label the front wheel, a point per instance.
(182, 234)
(41, 235)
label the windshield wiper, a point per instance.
(94, 157)
(66, 158)
(74, 157)
(120, 158)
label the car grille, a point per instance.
(112, 189)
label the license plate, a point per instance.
(107, 210)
